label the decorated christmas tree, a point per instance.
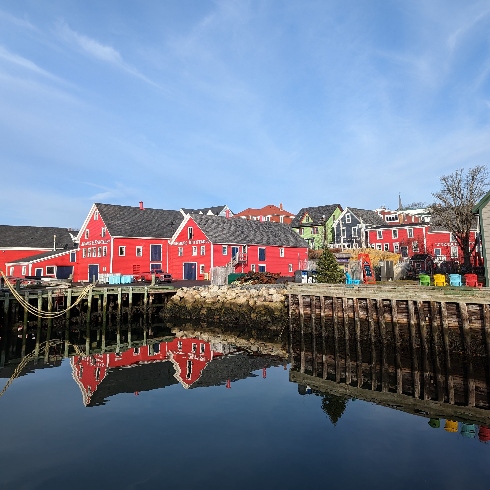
(328, 269)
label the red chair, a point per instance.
(472, 281)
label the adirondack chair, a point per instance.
(451, 426)
(455, 280)
(440, 280)
(424, 280)
(349, 280)
(472, 281)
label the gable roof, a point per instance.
(367, 216)
(213, 210)
(481, 203)
(44, 255)
(316, 214)
(268, 210)
(34, 237)
(131, 221)
(247, 232)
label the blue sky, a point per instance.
(198, 103)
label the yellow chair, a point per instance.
(451, 426)
(440, 280)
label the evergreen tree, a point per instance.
(328, 269)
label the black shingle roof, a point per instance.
(248, 232)
(130, 221)
(316, 214)
(34, 237)
(368, 217)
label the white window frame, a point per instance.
(12, 270)
(264, 266)
(454, 252)
(354, 232)
(290, 267)
(201, 269)
(87, 233)
(281, 252)
(102, 231)
(89, 252)
(224, 249)
(24, 270)
(99, 251)
(396, 247)
(437, 251)
(104, 251)
(415, 246)
(122, 250)
(379, 246)
(386, 247)
(203, 249)
(96, 215)
(252, 267)
(379, 234)
(50, 267)
(394, 233)
(190, 233)
(348, 218)
(84, 252)
(409, 232)
(180, 251)
(194, 250)
(139, 251)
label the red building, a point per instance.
(267, 213)
(188, 356)
(55, 264)
(202, 242)
(418, 238)
(20, 242)
(125, 240)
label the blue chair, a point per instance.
(455, 280)
(349, 280)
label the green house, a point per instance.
(482, 209)
(315, 224)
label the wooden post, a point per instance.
(447, 352)
(313, 334)
(324, 337)
(145, 306)
(24, 329)
(463, 310)
(67, 322)
(50, 324)
(374, 383)
(486, 323)
(104, 316)
(396, 333)
(415, 357)
(119, 304)
(437, 361)
(302, 331)
(357, 322)
(6, 311)
(345, 314)
(39, 324)
(336, 338)
(385, 386)
(130, 305)
(425, 350)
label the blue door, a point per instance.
(234, 251)
(93, 273)
(190, 272)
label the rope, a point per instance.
(39, 313)
(42, 350)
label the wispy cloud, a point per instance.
(25, 24)
(454, 37)
(101, 52)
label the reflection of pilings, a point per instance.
(291, 359)
(425, 353)
(486, 321)
(302, 329)
(357, 322)
(413, 346)
(372, 339)
(435, 351)
(336, 339)
(39, 324)
(50, 323)
(88, 321)
(313, 335)
(398, 346)
(24, 327)
(67, 322)
(469, 362)
(348, 378)
(447, 352)
(324, 336)
(384, 355)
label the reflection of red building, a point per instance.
(188, 356)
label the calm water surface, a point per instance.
(211, 414)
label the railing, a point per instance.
(239, 258)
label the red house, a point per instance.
(202, 242)
(20, 242)
(267, 213)
(125, 240)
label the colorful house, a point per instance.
(125, 240)
(20, 242)
(351, 226)
(267, 213)
(482, 209)
(202, 242)
(315, 224)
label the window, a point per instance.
(203, 250)
(415, 246)
(224, 250)
(122, 251)
(12, 271)
(404, 251)
(102, 231)
(24, 270)
(155, 253)
(99, 252)
(261, 253)
(104, 251)
(347, 218)
(86, 233)
(89, 252)
(189, 369)
(379, 246)
(94, 252)
(190, 233)
(194, 348)
(202, 348)
(387, 247)
(267, 218)
(396, 247)
(73, 256)
(179, 345)
(244, 249)
(50, 270)
(354, 231)
(201, 269)
(96, 215)
(290, 268)
(437, 251)
(261, 267)
(391, 217)
(394, 233)
(281, 252)
(180, 251)
(379, 234)
(84, 253)
(136, 351)
(194, 250)
(301, 231)
(410, 232)
(252, 267)
(139, 251)
(344, 232)
(314, 230)
(281, 219)
(454, 252)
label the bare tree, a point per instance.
(453, 205)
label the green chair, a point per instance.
(424, 280)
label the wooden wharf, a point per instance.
(431, 344)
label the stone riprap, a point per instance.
(238, 304)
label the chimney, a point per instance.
(227, 212)
(141, 205)
(280, 206)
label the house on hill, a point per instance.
(315, 224)
(267, 213)
(202, 242)
(350, 228)
(21, 242)
(124, 239)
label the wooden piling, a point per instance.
(413, 344)
(24, 327)
(463, 310)
(357, 322)
(447, 353)
(348, 377)
(372, 340)
(324, 337)
(39, 324)
(385, 385)
(398, 344)
(435, 352)
(313, 334)
(336, 339)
